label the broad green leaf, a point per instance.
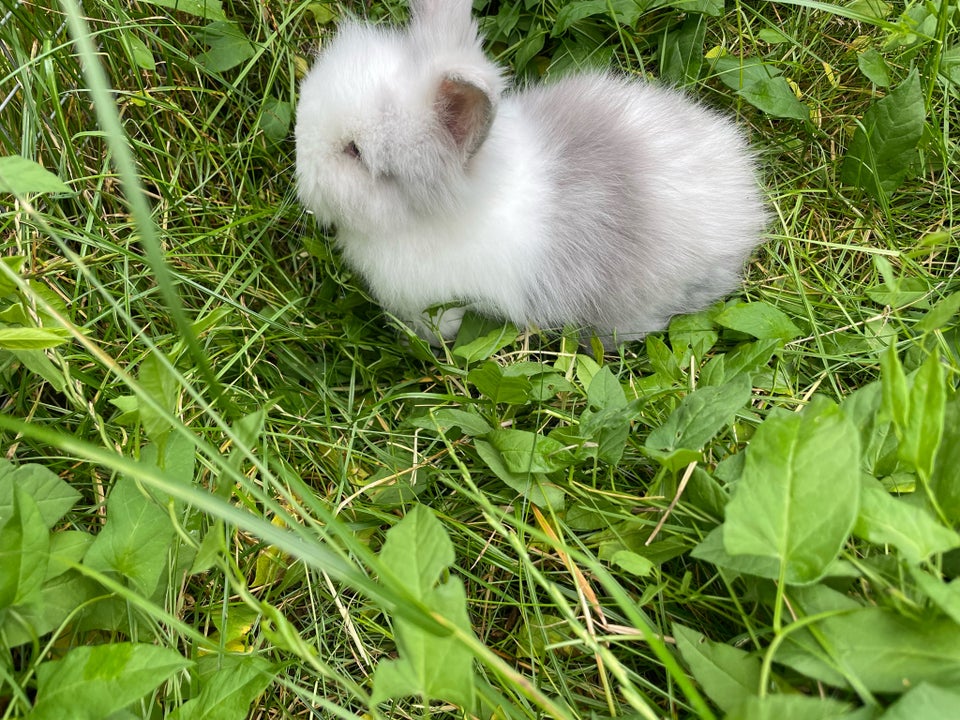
(920, 436)
(20, 175)
(663, 360)
(896, 393)
(67, 547)
(874, 67)
(700, 416)
(59, 599)
(884, 146)
(727, 674)
(228, 46)
(878, 443)
(136, 539)
(791, 707)
(760, 319)
(14, 265)
(37, 362)
(925, 702)
(693, 334)
(775, 97)
(609, 429)
(605, 391)
(142, 57)
(943, 314)
(632, 563)
(496, 337)
(681, 52)
(93, 682)
(945, 481)
(946, 596)
(206, 9)
(736, 72)
(713, 8)
(626, 11)
(528, 452)
(885, 651)
(52, 495)
(491, 380)
(228, 693)
(418, 553)
(31, 338)
(794, 461)
(469, 421)
(884, 519)
(534, 487)
(711, 549)
(24, 547)
(745, 358)
(161, 385)
(275, 119)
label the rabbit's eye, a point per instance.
(352, 150)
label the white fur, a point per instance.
(595, 201)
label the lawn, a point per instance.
(232, 487)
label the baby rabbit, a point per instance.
(594, 200)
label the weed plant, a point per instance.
(231, 487)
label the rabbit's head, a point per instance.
(388, 119)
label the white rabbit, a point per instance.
(595, 200)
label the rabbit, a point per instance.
(595, 200)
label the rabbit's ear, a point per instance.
(466, 111)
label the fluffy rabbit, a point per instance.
(594, 200)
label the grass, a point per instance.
(217, 444)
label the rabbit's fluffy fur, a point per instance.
(594, 200)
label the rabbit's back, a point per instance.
(653, 203)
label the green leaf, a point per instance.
(791, 707)
(37, 362)
(946, 596)
(496, 337)
(229, 46)
(886, 652)
(775, 97)
(632, 563)
(142, 57)
(206, 9)
(469, 421)
(893, 380)
(21, 176)
(874, 67)
(745, 358)
(777, 511)
(664, 362)
(700, 416)
(31, 338)
(943, 314)
(528, 452)
(492, 382)
(228, 693)
(884, 146)
(159, 382)
(136, 538)
(14, 265)
(693, 334)
(626, 11)
(535, 488)
(24, 547)
(52, 495)
(681, 52)
(605, 391)
(928, 702)
(727, 674)
(760, 319)
(275, 119)
(418, 552)
(884, 520)
(920, 436)
(93, 682)
(945, 481)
